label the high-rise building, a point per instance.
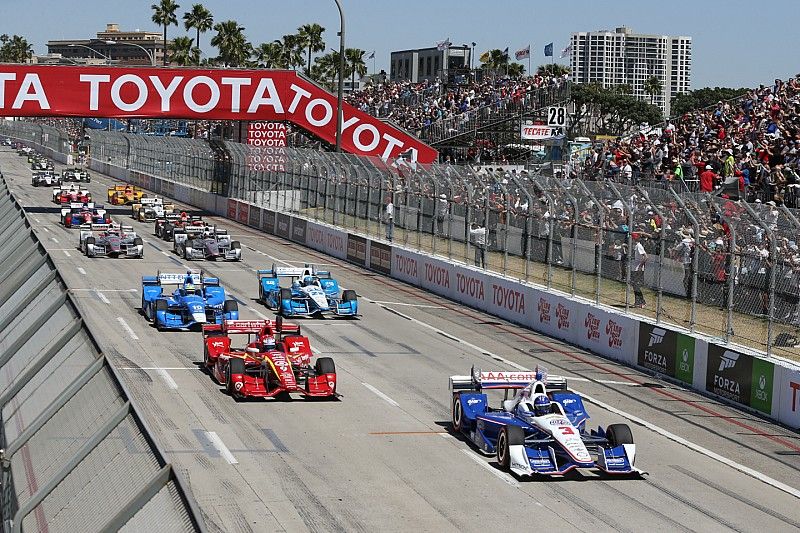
(120, 47)
(621, 57)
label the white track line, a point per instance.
(696, 447)
(103, 297)
(46, 229)
(54, 240)
(221, 448)
(104, 290)
(165, 375)
(381, 395)
(126, 327)
(422, 306)
(66, 252)
(505, 478)
(260, 315)
(37, 220)
(81, 270)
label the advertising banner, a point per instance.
(254, 220)
(282, 221)
(299, 230)
(741, 378)
(326, 239)
(202, 94)
(380, 257)
(232, 209)
(243, 213)
(532, 132)
(666, 352)
(470, 287)
(266, 141)
(406, 265)
(787, 389)
(357, 249)
(554, 315)
(509, 299)
(268, 221)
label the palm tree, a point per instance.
(183, 52)
(516, 70)
(14, 49)
(200, 19)
(234, 50)
(653, 86)
(291, 49)
(269, 55)
(326, 68)
(310, 36)
(354, 64)
(495, 59)
(164, 15)
(552, 69)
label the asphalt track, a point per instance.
(382, 458)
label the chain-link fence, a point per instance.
(75, 455)
(722, 268)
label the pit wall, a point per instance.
(767, 386)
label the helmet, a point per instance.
(541, 405)
(308, 280)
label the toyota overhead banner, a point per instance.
(220, 94)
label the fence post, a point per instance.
(695, 259)
(771, 264)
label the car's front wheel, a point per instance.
(509, 436)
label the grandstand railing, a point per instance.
(739, 281)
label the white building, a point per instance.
(428, 63)
(620, 57)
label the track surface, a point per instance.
(382, 458)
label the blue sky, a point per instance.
(736, 42)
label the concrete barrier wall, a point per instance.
(746, 379)
(65, 415)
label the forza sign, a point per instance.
(273, 95)
(666, 352)
(739, 377)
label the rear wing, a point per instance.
(172, 278)
(151, 201)
(505, 379)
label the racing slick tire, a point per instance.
(86, 243)
(457, 418)
(139, 242)
(509, 436)
(284, 294)
(236, 245)
(324, 365)
(619, 434)
(160, 305)
(229, 306)
(349, 295)
(235, 366)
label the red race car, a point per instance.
(275, 361)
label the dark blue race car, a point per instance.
(84, 213)
(541, 430)
(196, 301)
(312, 293)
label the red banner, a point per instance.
(274, 95)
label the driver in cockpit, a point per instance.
(309, 281)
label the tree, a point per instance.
(234, 50)
(310, 37)
(701, 98)
(326, 69)
(552, 69)
(496, 60)
(14, 49)
(291, 50)
(269, 55)
(184, 53)
(354, 64)
(516, 70)
(614, 111)
(164, 15)
(201, 20)
(653, 86)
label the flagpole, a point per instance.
(529, 59)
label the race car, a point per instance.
(149, 209)
(166, 227)
(76, 214)
(113, 240)
(42, 163)
(44, 177)
(124, 194)
(205, 242)
(69, 194)
(541, 430)
(312, 292)
(76, 174)
(197, 300)
(275, 361)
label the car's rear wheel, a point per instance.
(325, 365)
(619, 434)
(458, 413)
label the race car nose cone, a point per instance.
(200, 318)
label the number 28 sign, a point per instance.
(556, 116)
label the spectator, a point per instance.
(708, 179)
(637, 276)
(478, 235)
(389, 218)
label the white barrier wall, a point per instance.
(768, 387)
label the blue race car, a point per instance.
(197, 300)
(84, 213)
(312, 293)
(541, 430)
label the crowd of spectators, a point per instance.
(417, 106)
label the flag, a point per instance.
(523, 53)
(372, 55)
(548, 50)
(566, 51)
(505, 52)
(484, 57)
(443, 45)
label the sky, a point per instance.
(735, 43)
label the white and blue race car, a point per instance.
(541, 430)
(312, 293)
(198, 300)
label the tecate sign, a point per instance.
(273, 95)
